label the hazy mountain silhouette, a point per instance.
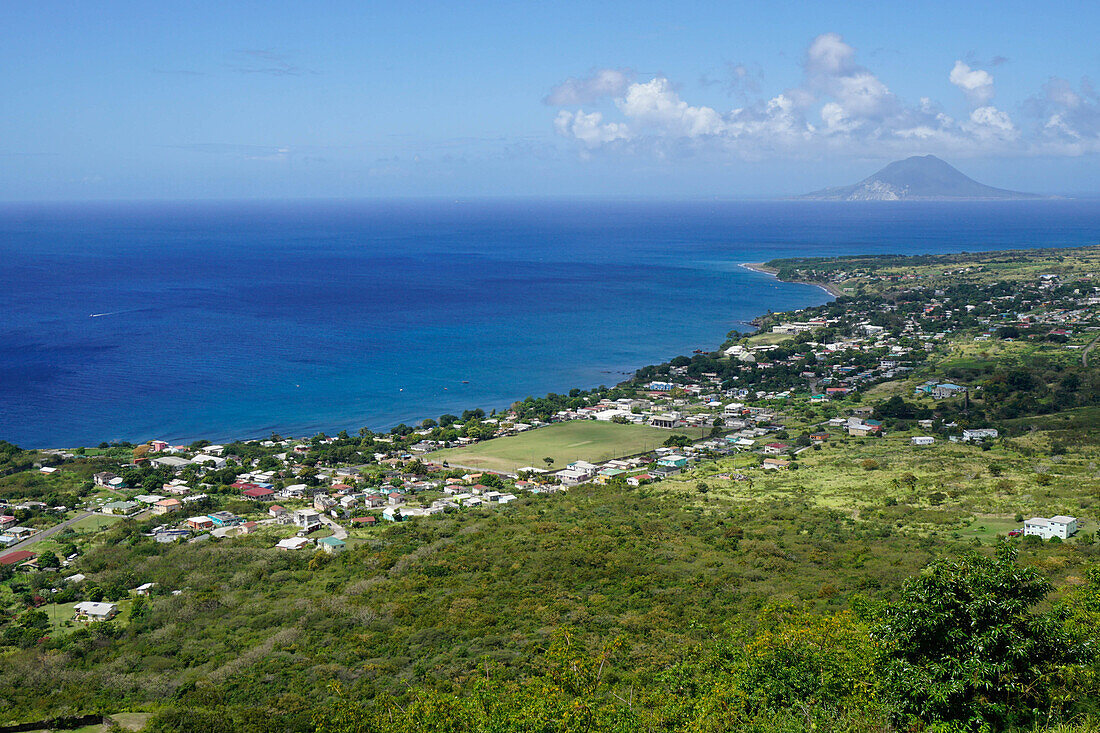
(919, 177)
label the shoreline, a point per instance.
(751, 266)
(761, 268)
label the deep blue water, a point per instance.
(225, 320)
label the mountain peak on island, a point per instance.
(921, 177)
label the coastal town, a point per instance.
(910, 370)
(791, 387)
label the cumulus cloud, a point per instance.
(1066, 116)
(839, 106)
(600, 84)
(976, 84)
(655, 104)
(589, 128)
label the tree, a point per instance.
(962, 644)
(548, 461)
(48, 560)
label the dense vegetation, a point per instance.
(870, 589)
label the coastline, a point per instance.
(752, 266)
(765, 270)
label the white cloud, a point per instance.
(656, 104)
(600, 84)
(991, 124)
(1069, 119)
(976, 84)
(589, 128)
(840, 106)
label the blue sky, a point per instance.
(348, 99)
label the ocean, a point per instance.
(133, 321)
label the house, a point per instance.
(276, 511)
(118, 507)
(224, 519)
(394, 498)
(143, 590)
(172, 462)
(673, 461)
(571, 477)
(639, 479)
(200, 523)
(107, 480)
(294, 491)
(15, 558)
(323, 502)
(307, 519)
(205, 459)
(669, 420)
(92, 611)
(819, 437)
(331, 545)
(775, 449)
(978, 435)
(922, 440)
(1059, 526)
(293, 543)
(167, 506)
(6, 520)
(392, 514)
(947, 389)
(365, 521)
(165, 536)
(776, 463)
(588, 468)
(661, 472)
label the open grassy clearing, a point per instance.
(580, 440)
(954, 487)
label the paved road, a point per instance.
(49, 532)
(337, 531)
(1085, 353)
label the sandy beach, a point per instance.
(765, 270)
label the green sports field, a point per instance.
(579, 440)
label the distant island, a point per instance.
(919, 178)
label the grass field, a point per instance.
(579, 440)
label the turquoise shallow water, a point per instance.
(223, 320)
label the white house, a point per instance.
(1059, 526)
(172, 462)
(571, 476)
(922, 440)
(584, 466)
(293, 543)
(204, 459)
(307, 518)
(978, 435)
(95, 611)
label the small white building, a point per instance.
(978, 435)
(293, 543)
(1059, 526)
(922, 440)
(93, 611)
(571, 476)
(204, 459)
(307, 519)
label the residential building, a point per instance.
(1059, 526)
(92, 611)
